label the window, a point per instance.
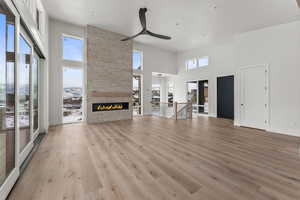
(191, 64)
(7, 92)
(72, 49)
(137, 60)
(72, 94)
(202, 62)
(196, 63)
(72, 79)
(136, 95)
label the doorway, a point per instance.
(254, 100)
(203, 97)
(192, 94)
(225, 97)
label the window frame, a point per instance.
(72, 62)
(76, 65)
(188, 61)
(83, 94)
(197, 62)
(25, 152)
(142, 60)
(204, 57)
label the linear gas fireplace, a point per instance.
(100, 107)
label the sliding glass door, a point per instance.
(35, 94)
(19, 96)
(24, 92)
(7, 92)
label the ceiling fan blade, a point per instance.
(132, 37)
(159, 36)
(142, 14)
(298, 1)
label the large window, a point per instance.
(7, 92)
(72, 49)
(24, 92)
(136, 95)
(72, 94)
(137, 60)
(72, 79)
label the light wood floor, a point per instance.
(152, 158)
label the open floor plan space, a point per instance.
(155, 159)
(149, 100)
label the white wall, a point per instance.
(277, 46)
(57, 29)
(221, 63)
(154, 60)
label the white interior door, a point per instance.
(254, 97)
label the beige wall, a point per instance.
(109, 73)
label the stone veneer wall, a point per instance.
(109, 73)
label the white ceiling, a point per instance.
(190, 23)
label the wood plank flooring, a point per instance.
(152, 158)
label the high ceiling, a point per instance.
(189, 22)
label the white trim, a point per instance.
(23, 155)
(36, 133)
(83, 94)
(285, 132)
(9, 183)
(213, 115)
(142, 60)
(29, 146)
(72, 62)
(142, 93)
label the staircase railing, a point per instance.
(176, 110)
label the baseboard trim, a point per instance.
(285, 132)
(213, 115)
(7, 186)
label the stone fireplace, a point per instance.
(109, 75)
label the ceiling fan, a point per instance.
(142, 14)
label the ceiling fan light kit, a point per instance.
(142, 15)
